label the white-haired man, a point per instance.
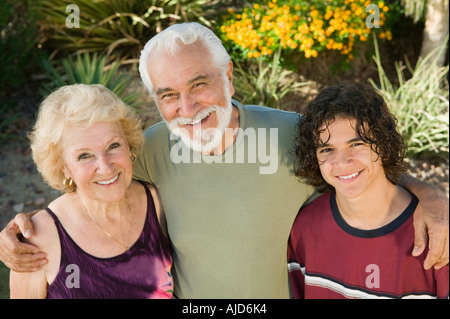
(225, 175)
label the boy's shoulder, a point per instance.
(315, 210)
(322, 201)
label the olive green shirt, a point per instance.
(229, 216)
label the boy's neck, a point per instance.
(374, 208)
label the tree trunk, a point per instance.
(436, 30)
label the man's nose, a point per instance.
(187, 105)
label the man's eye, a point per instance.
(199, 87)
(200, 84)
(168, 96)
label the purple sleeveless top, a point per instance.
(141, 272)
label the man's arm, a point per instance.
(18, 256)
(431, 222)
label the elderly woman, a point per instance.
(105, 236)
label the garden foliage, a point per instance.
(420, 103)
(18, 42)
(117, 28)
(262, 83)
(89, 69)
(308, 27)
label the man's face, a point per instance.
(192, 95)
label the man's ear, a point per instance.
(230, 77)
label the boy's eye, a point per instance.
(357, 144)
(325, 150)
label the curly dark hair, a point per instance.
(375, 125)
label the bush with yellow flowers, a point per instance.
(261, 27)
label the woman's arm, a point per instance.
(431, 222)
(27, 285)
(33, 285)
(15, 254)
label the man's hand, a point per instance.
(18, 256)
(431, 224)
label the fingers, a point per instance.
(18, 256)
(12, 243)
(420, 237)
(443, 261)
(438, 254)
(28, 262)
(23, 221)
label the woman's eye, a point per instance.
(83, 156)
(114, 145)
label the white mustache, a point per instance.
(194, 120)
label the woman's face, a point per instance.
(98, 160)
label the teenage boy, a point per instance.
(355, 241)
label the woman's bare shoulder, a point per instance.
(45, 231)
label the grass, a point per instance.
(4, 282)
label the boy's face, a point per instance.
(346, 162)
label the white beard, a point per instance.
(203, 140)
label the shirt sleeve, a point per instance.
(442, 282)
(296, 272)
(145, 166)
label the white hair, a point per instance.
(170, 40)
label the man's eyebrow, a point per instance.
(200, 77)
(164, 90)
(193, 80)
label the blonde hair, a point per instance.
(77, 104)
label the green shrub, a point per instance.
(117, 28)
(19, 58)
(261, 83)
(421, 105)
(18, 43)
(88, 69)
